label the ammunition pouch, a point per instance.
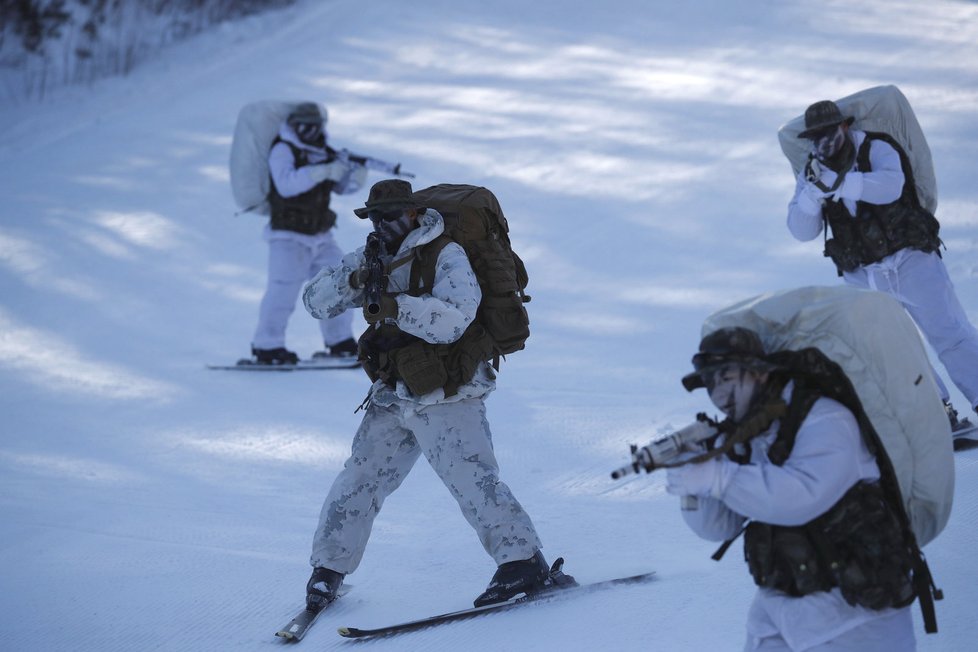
(879, 230)
(299, 219)
(869, 238)
(307, 213)
(857, 546)
(784, 559)
(843, 252)
(375, 348)
(389, 354)
(420, 366)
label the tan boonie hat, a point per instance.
(823, 114)
(388, 195)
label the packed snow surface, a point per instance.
(147, 503)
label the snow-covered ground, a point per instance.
(149, 504)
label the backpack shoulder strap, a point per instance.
(862, 156)
(802, 400)
(425, 264)
(298, 155)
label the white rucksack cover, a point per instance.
(881, 108)
(877, 345)
(257, 126)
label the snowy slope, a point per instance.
(633, 145)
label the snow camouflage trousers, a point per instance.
(456, 440)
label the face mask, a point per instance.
(732, 390)
(392, 227)
(827, 144)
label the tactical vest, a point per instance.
(307, 213)
(389, 354)
(859, 545)
(879, 230)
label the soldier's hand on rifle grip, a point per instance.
(358, 278)
(709, 478)
(334, 171)
(387, 309)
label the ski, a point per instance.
(304, 365)
(544, 596)
(298, 626)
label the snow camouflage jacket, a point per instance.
(438, 317)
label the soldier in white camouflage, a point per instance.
(408, 413)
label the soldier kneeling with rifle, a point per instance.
(791, 471)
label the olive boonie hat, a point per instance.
(821, 115)
(306, 113)
(388, 195)
(733, 345)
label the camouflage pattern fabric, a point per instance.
(439, 317)
(456, 440)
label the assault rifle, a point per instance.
(376, 282)
(665, 451)
(368, 162)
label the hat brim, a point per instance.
(306, 120)
(693, 381)
(816, 128)
(365, 211)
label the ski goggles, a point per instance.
(709, 368)
(309, 131)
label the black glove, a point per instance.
(358, 278)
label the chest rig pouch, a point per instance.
(855, 546)
(879, 230)
(307, 213)
(389, 354)
(858, 545)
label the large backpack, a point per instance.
(879, 109)
(474, 219)
(257, 126)
(872, 339)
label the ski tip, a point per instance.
(286, 635)
(347, 632)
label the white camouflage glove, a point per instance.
(334, 171)
(810, 199)
(355, 178)
(851, 187)
(707, 479)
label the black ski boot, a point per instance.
(525, 576)
(278, 356)
(956, 423)
(345, 349)
(958, 427)
(322, 587)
